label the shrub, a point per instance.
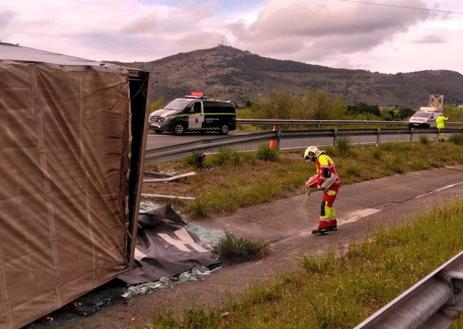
(457, 139)
(198, 209)
(377, 153)
(225, 156)
(353, 170)
(319, 265)
(362, 108)
(396, 166)
(343, 146)
(235, 249)
(310, 105)
(157, 104)
(418, 164)
(265, 153)
(196, 160)
(424, 140)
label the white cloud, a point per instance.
(326, 32)
(323, 28)
(111, 29)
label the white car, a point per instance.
(424, 118)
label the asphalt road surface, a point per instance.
(161, 140)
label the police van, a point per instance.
(194, 113)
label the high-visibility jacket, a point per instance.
(440, 121)
(323, 161)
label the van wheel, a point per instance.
(157, 131)
(179, 129)
(224, 130)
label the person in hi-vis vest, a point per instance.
(440, 125)
(327, 180)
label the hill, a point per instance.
(228, 73)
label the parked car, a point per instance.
(194, 113)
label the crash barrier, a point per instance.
(434, 302)
(207, 144)
(319, 123)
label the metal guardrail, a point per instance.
(434, 302)
(328, 122)
(206, 144)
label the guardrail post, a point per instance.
(412, 130)
(378, 136)
(335, 137)
(278, 138)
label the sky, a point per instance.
(337, 33)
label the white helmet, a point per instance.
(312, 153)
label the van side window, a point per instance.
(197, 107)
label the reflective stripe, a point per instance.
(331, 192)
(328, 214)
(205, 128)
(205, 114)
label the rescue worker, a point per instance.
(440, 124)
(327, 180)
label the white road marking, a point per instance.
(354, 216)
(439, 190)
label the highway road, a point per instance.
(161, 140)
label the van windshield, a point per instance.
(421, 115)
(177, 105)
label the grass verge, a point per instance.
(339, 291)
(232, 249)
(230, 180)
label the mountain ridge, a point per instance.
(225, 72)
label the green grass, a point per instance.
(232, 249)
(341, 288)
(343, 146)
(457, 139)
(230, 180)
(424, 140)
(264, 152)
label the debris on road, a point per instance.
(169, 178)
(170, 197)
(195, 274)
(166, 246)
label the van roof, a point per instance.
(206, 100)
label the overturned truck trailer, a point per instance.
(71, 149)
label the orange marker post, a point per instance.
(273, 145)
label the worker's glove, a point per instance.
(310, 190)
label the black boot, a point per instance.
(320, 231)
